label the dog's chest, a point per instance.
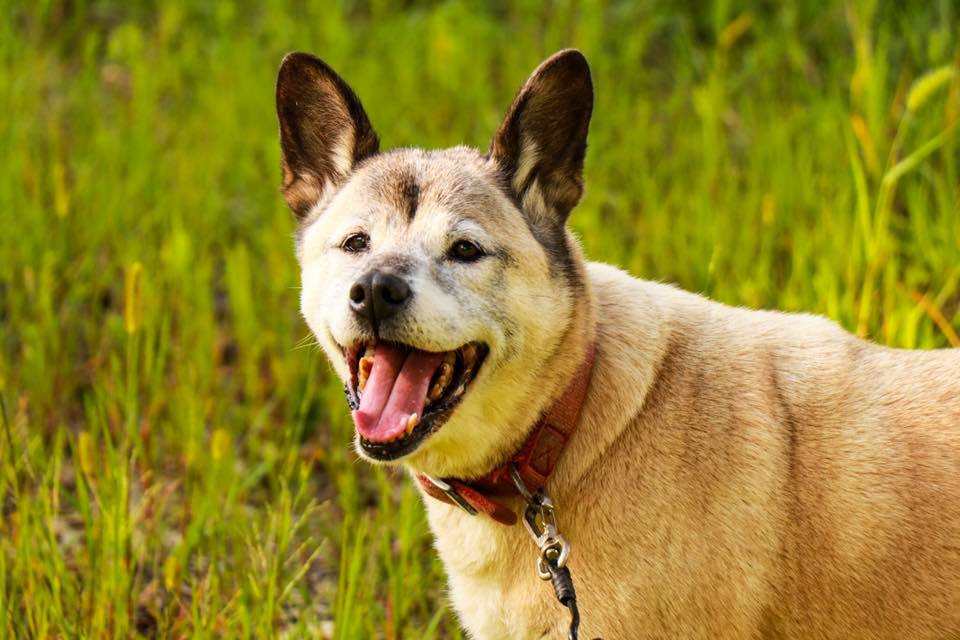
(490, 569)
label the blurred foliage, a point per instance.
(174, 465)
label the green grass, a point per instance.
(175, 455)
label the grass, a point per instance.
(174, 455)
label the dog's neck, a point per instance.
(567, 362)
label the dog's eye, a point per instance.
(356, 242)
(465, 251)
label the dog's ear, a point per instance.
(324, 130)
(541, 143)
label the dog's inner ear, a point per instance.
(541, 143)
(324, 131)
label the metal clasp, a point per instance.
(452, 493)
(540, 520)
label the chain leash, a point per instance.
(539, 518)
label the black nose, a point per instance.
(378, 295)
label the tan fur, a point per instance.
(735, 474)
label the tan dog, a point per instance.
(733, 474)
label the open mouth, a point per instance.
(400, 394)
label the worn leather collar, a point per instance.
(535, 461)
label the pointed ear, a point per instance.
(324, 131)
(541, 144)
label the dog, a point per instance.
(722, 472)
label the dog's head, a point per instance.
(439, 283)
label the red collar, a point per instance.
(535, 461)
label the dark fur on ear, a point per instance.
(541, 144)
(324, 130)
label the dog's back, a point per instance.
(873, 499)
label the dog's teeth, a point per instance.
(412, 423)
(459, 390)
(446, 374)
(363, 371)
(469, 356)
(366, 364)
(449, 358)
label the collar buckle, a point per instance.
(452, 493)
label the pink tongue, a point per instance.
(396, 389)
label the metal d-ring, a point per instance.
(539, 518)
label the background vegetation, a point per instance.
(175, 455)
